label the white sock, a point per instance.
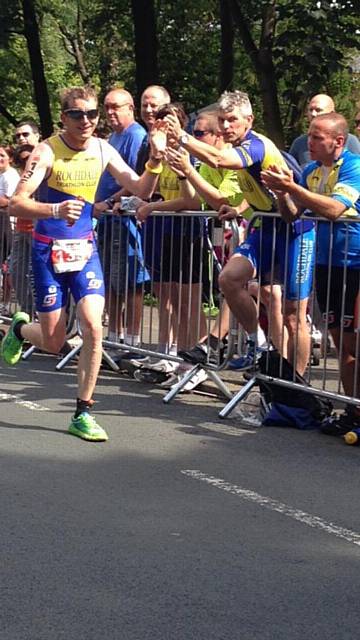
(261, 337)
(132, 339)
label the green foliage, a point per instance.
(312, 47)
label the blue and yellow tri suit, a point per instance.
(338, 243)
(75, 175)
(341, 182)
(258, 153)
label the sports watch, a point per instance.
(184, 139)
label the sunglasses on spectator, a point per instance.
(23, 134)
(357, 123)
(200, 133)
(77, 114)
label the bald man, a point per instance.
(117, 236)
(318, 105)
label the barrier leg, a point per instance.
(189, 375)
(26, 355)
(108, 359)
(60, 365)
(182, 382)
(240, 395)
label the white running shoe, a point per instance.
(163, 366)
(199, 377)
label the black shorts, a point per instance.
(177, 259)
(342, 310)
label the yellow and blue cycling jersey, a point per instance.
(257, 153)
(341, 181)
(75, 175)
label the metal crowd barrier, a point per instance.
(162, 289)
(172, 265)
(323, 374)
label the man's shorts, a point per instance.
(122, 263)
(277, 262)
(52, 289)
(176, 259)
(174, 249)
(342, 309)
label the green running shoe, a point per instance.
(86, 427)
(11, 346)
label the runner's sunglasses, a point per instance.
(77, 114)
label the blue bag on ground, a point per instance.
(289, 407)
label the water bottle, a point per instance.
(353, 436)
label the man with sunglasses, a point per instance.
(117, 235)
(66, 169)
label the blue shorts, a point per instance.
(268, 252)
(52, 289)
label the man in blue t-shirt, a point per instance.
(119, 240)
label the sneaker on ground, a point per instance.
(199, 377)
(339, 425)
(202, 354)
(249, 360)
(136, 362)
(11, 346)
(170, 381)
(86, 427)
(163, 366)
(133, 355)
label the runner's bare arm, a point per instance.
(37, 167)
(142, 186)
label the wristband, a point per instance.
(110, 202)
(56, 210)
(151, 169)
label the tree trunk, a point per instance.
(264, 66)
(227, 50)
(10, 118)
(31, 32)
(146, 45)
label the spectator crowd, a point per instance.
(66, 228)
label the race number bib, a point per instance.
(70, 255)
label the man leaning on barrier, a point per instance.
(250, 153)
(66, 169)
(330, 188)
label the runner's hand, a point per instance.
(70, 210)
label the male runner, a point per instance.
(66, 169)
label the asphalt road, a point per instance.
(183, 526)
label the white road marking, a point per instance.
(28, 404)
(274, 505)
